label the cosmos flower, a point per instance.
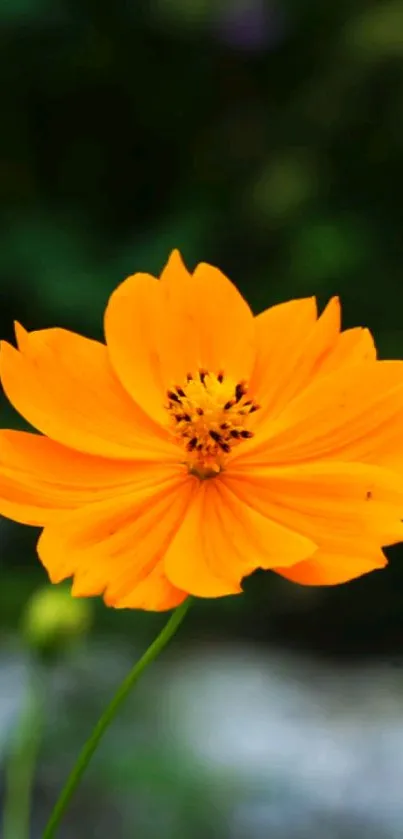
(200, 443)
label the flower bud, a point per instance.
(53, 620)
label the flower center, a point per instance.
(210, 415)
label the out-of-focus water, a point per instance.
(312, 745)
(227, 742)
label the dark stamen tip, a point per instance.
(220, 377)
(225, 447)
(215, 436)
(182, 417)
(240, 391)
(199, 411)
(173, 396)
(229, 404)
(246, 435)
(192, 444)
(202, 375)
(181, 392)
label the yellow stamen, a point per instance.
(209, 414)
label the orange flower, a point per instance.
(201, 443)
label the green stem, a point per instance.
(20, 768)
(108, 716)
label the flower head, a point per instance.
(200, 443)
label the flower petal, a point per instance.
(280, 331)
(330, 569)
(64, 386)
(354, 346)
(344, 507)
(291, 345)
(39, 477)
(26, 505)
(159, 331)
(134, 328)
(222, 539)
(353, 414)
(154, 593)
(208, 323)
(115, 547)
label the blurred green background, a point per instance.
(266, 137)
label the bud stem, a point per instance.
(20, 767)
(109, 714)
